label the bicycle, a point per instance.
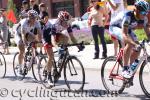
(2, 63)
(30, 62)
(72, 67)
(112, 68)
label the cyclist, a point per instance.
(26, 31)
(51, 36)
(123, 30)
(64, 22)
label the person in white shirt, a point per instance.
(116, 7)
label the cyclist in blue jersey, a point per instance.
(123, 27)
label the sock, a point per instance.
(125, 68)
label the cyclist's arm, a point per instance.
(54, 41)
(23, 35)
(125, 28)
(114, 7)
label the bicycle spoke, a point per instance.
(74, 74)
(111, 74)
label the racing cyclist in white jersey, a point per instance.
(26, 32)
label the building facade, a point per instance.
(75, 7)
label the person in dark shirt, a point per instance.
(34, 6)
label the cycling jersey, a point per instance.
(54, 29)
(58, 27)
(129, 20)
(23, 25)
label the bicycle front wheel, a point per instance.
(2, 66)
(35, 68)
(111, 75)
(16, 68)
(74, 74)
(144, 76)
(42, 71)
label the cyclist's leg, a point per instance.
(113, 38)
(116, 34)
(61, 38)
(49, 52)
(20, 46)
(134, 54)
(70, 32)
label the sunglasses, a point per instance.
(143, 13)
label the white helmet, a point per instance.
(32, 13)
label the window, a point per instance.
(65, 5)
(84, 6)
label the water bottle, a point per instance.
(133, 66)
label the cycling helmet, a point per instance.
(32, 13)
(64, 15)
(142, 6)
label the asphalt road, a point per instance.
(29, 89)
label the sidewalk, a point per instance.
(86, 56)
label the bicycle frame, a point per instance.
(63, 62)
(119, 57)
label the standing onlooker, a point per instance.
(25, 9)
(4, 31)
(34, 6)
(97, 25)
(116, 7)
(42, 8)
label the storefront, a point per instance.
(75, 7)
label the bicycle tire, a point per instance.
(2, 62)
(35, 68)
(80, 68)
(104, 81)
(16, 69)
(144, 88)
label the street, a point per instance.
(29, 89)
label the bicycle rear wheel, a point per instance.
(74, 74)
(2, 66)
(112, 81)
(144, 76)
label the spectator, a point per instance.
(97, 26)
(34, 6)
(42, 8)
(116, 7)
(4, 31)
(25, 9)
